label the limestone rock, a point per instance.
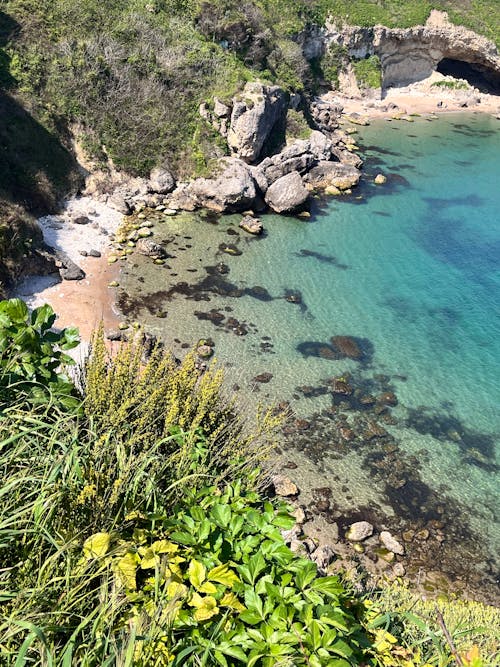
(287, 193)
(251, 225)
(204, 351)
(359, 531)
(161, 181)
(411, 54)
(258, 111)
(323, 556)
(380, 179)
(221, 110)
(326, 174)
(232, 189)
(149, 248)
(283, 486)
(346, 157)
(120, 204)
(391, 544)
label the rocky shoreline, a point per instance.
(268, 171)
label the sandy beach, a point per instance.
(81, 303)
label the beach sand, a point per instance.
(81, 303)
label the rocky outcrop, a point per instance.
(253, 118)
(412, 54)
(161, 181)
(287, 194)
(259, 112)
(231, 189)
(299, 156)
(327, 174)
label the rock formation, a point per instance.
(412, 54)
(287, 194)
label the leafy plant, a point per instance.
(32, 354)
(368, 71)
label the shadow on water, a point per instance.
(473, 200)
(327, 259)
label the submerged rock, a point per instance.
(347, 347)
(390, 543)
(283, 486)
(251, 225)
(150, 249)
(359, 531)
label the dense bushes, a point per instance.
(132, 74)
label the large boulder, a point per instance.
(325, 174)
(346, 157)
(287, 193)
(161, 181)
(257, 112)
(299, 156)
(232, 189)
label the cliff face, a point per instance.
(410, 55)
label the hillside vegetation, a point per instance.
(130, 74)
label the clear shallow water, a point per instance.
(411, 270)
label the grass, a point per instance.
(452, 85)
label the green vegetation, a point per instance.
(453, 85)
(368, 72)
(129, 76)
(297, 126)
(133, 531)
(31, 354)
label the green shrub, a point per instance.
(368, 72)
(452, 85)
(32, 353)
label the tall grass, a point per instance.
(148, 433)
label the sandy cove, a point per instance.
(423, 98)
(81, 303)
(86, 302)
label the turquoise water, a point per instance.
(411, 271)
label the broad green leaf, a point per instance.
(197, 573)
(254, 566)
(96, 546)
(250, 617)
(15, 309)
(305, 574)
(149, 560)
(220, 659)
(223, 575)
(126, 568)
(176, 590)
(208, 587)
(221, 514)
(232, 651)
(70, 338)
(329, 585)
(164, 547)
(183, 538)
(43, 317)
